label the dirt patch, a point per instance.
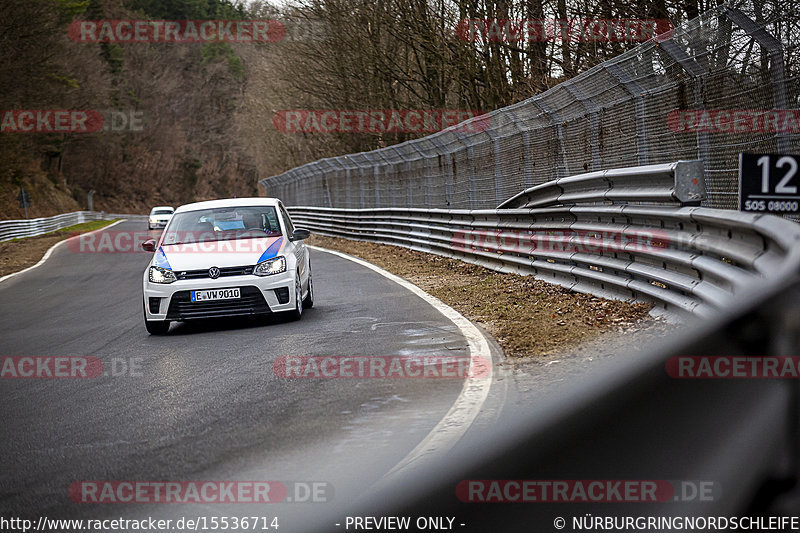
(528, 317)
(23, 253)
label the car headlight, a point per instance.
(161, 275)
(153, 220)
(270, 266)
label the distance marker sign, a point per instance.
(769, 183)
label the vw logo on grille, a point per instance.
(213, 272)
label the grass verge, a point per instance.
(528, 317)
(19, 254)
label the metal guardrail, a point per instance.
(685, 260)
(627, 419)
(679, 183)
(109, 216)
(16, 229)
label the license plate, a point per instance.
(216, 294)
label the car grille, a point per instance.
(223, 272)
(251, 303)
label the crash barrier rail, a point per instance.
(628, 418)
(685, 260)
(669, 98)
(679, 183)
(16, 229)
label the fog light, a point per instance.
(282, 294)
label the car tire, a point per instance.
(308, 301)
(297, 312)
(155, 327)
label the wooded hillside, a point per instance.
(202, 113)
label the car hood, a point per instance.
(228, 253)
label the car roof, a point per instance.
(229, 202)
(163, 207)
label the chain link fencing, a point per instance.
(671, 98)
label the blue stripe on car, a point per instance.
(161, 259)
(272, 251)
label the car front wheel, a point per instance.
(308, 302)
(297, 312)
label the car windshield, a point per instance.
(225, 223)
(162, 212)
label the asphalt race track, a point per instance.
(203, 402)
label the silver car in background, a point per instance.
(159, 216)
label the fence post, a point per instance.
(347, 188)
(443, 160)
(555, 120)
(498, 175)
(385, 164)
(775, 51)
(326, 187)
(698, 74)
(470, 168)
(427, 187)
(635, 90)
(362, 184)
(527, 162)
(594, 121)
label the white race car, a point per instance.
(159, 216)
(226, 258)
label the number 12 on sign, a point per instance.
(768, 183)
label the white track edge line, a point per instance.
(466, 407)
(52, 248)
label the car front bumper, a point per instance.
(259, 295)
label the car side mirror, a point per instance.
(300, 234)
(149, 245)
